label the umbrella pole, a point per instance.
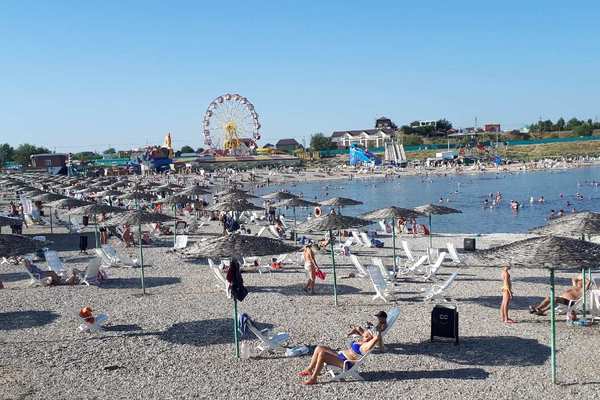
(51, 230)
(394, 243)
(552, 328)
(141, 258)
(430, 239)
(584, 294)
(96, 229)
(236, 328)
(333, 262)
(175, 227)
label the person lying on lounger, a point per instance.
(572, 294)
(51, 278)
(342, 359)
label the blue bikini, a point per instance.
(355, 347)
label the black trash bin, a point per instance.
(469, 244)
(83, 243)
(444, 322)
(85, 220)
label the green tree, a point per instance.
(443, 125)
(7, 153)
(110, 150)
(573, 123)
(319, 141)
(560, 124)
(410, 140)
(583, 130)
(24, 152)
(187, 149)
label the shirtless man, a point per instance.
(571, 294)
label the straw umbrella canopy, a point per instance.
(340, 202)
(109, 193)
(279, 196)
(234, 206)
(234, 197)
(230, 191)
(392, 213)
(430, 209)
(49, 198)
(195, 190)
(237, 246)
(295, 202)
(550, 252)
(328, 223)
(578, 224)
(138, 195)
(17, 245)
(139, 217)
(95, 209)
(173, 201)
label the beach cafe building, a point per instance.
(367, 138)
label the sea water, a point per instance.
(468, 194)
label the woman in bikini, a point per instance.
(506, 295)
(310, 265)
(343, 359)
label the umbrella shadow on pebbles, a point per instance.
(544, 280)
(203, 332)
(16, 320)
(68, 241)
(134, 283)
(13, 277)
(517, 302)
(455, 373)
(481, 351)
(323, 289)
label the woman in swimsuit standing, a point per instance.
(310, 265)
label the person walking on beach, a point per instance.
(506, 295)
(311, 267)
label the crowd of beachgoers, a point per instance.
(77, 321)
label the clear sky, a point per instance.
(88, 75)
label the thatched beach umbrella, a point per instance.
(238, 246)
(578, 224)
(234, 206)
(195, 190)
(279, 196)
(392, 213)
(549, 252)
(429, 209)
(230, 191)
(328, 223)
(17, 245)
(138, 195)
(95, 209)
(48, 198)
(173, 201)
(295, 202)
(340, 202)
(139, 217)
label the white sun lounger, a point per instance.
(34, 280)
(269, 342)
(387, 274)
(343, 246)
(379, 284)
(407, 251)
(434, 268)
(452, 252)
(274, 232)
(362, 272)
(181, 242)
(221, 281)
(90, 276)
(366, 240)
(261, 231)
(356, 237)
(436, 291)
(54, 262)
(353, 373)
(412, 267)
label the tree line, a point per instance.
(579, 127)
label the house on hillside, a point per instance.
(288, 145)
(367, 138)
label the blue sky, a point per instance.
(77, 75)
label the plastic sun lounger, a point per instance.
(379, 284)
(407, 251)
(436, 291)
(362, 272)
(54, 262)
(90, 276)
(261, 231)
(181, 242)
(387, 274)
(268, 342)
(222, 282)
(433, 269)
(357, 238)
(366, 240)
(452, 252)
(99, 321)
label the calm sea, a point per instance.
(468, 194)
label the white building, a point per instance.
(368, 138)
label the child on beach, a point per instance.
(506, 295)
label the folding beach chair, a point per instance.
(407, 251)
(436, 291)
(181, 242)
(261, 231)
(93, 274)
(221, 281)
(412, 267)
(366, 239)
(356, 237)
(387, 274)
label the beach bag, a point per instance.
(377, 243)
(320, 274)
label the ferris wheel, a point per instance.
(228, 119)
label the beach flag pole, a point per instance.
(552, 328)
(333, 262)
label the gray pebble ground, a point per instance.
(177, 342)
